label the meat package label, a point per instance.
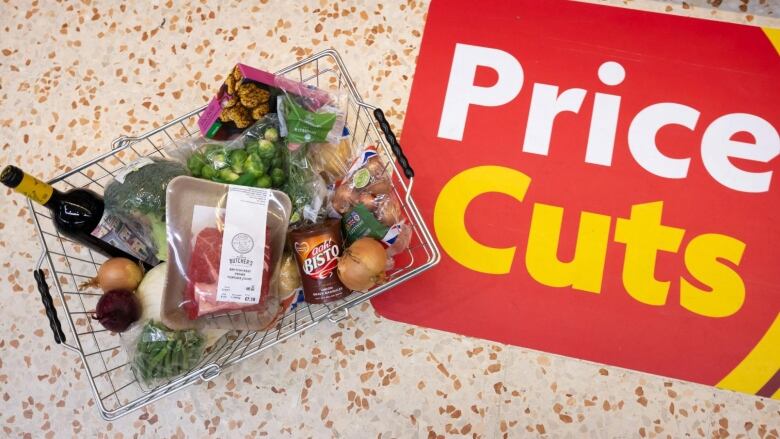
(603, 183)
(243, 245)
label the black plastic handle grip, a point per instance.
(388, 132)
(48, 304)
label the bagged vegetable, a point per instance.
(159, 353)
(246, 96)
(137, 197)
(306, 189)
(368, 206)
(150, 294)
(226, 244)
(304, 121)
(331, 160)
(257, 158)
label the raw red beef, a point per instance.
(200, 295)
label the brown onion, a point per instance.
(379, 187)
(362, 266)
(376, 167)
(367, 200)
(116, 274)
(343, 198)
(389, 211)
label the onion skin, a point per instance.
(343, 199)
(380, 187)
(116, 274)
(117, 310)
(362, 266)
(389, 211)
(368, 200)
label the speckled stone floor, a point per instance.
(75, 75)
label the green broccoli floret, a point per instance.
(140, 199)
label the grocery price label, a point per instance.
(603, 183)
(243, 245)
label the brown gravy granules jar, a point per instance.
(317, 248)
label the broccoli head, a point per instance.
(140, 197)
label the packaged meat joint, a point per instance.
(225, 244)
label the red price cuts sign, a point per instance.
(603, 185)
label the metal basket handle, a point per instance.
(394, 145)
(48, 305)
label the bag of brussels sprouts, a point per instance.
(257, 158)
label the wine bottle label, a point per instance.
(114, 231)
(34, 189)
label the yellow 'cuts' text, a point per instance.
(643, 235)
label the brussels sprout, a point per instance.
(216, 155)
(212, 148)
(237, 159)
(266, 149)
(195, 163)
(255, 165)
(264, 182)
(278, 177)
(228, 175)
(208, 172)
(271, 134)
(218, 160)
(238, 156)
(251, 146)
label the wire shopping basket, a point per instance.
(116, 390)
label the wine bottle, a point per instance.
(76, 213)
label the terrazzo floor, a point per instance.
(75, 75)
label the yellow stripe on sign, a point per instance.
(774, 37)
(759, 366)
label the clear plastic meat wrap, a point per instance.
(225, 244)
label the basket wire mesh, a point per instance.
(116, 390)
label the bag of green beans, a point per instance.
(160, 353)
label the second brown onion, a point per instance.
(362, 266)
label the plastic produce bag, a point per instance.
(226, 243)
(305, 121)
(306, 189)
(367, 204)
(136, 196)
(159, 353)
(331, 160)
(257, 158)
